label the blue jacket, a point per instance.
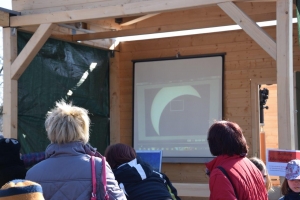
(66, 174)
(140, 182)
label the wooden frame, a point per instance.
(48, 19)
(123, 9)
(255, 111)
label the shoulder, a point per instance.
(281, 198)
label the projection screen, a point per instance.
(175, 102)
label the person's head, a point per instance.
(226, 138)
(21, 190)
(118, 154)
(66, 123)
(262, 168)
(292, 177)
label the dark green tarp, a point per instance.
(58, 68)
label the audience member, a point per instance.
(232, 175)
(290, 187)
(66, 171)
(31, 159)
(263, 169)
(11, 166)
(137, 179)
(21, 190)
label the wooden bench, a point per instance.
(192, 189)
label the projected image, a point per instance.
(175, 102)
(172, 109)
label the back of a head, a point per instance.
(226, 138)
(258, 163)
(118, 154)
(263, 169)
(67, 123)
(21, 190)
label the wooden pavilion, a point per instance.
(254, 56)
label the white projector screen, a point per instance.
(175, 102)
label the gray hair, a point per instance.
(66, 123)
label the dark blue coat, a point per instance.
(140, 182)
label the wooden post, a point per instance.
(10, 87)
(286, 114)
(114, 82)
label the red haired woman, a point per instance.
(232, 175)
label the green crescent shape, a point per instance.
(166, 95)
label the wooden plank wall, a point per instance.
(271, 123)
(271, 118)
(244, 60)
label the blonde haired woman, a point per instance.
(66, 171)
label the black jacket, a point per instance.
(11, 166)
(140, 182)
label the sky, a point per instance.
(4, 4)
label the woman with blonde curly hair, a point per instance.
(66, 171)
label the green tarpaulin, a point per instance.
(62, 70)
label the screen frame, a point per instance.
(177, 57)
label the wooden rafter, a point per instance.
(136, 20)
(122, 10)
(30, 50)
(250, 27)
(131, 32)
(4, 19)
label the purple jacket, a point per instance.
(66, 174)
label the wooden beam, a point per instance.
(10, 87)
(65, 34)
(250, 27)
(137, 31)
(138, 7)
(128, 32)
(30, 50)
(285, 87)
(139, 19)
(115, 105)
(4, 19)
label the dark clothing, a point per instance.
(139, 181)
(11, 166)
(291, 196)
(10, 173)
(245, 177)
(31, 159)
